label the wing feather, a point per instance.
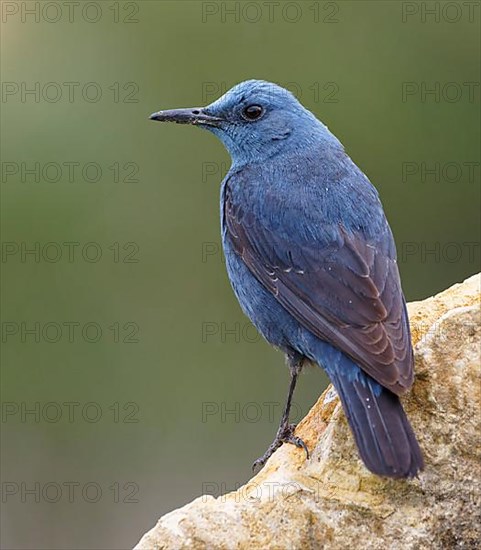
(346, 291)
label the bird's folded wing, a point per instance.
(346, 291)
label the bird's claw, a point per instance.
(285, 434)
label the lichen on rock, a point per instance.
(331, 501)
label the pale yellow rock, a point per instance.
(331, 501)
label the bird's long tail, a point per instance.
(381, 429)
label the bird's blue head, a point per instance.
(257, 120)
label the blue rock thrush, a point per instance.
(312, 261)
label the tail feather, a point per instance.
(381, 429)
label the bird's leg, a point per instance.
(285, 433)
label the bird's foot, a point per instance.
(285, 434)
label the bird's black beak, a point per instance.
(196, 116)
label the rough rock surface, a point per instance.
(331, 501)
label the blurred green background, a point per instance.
(161, 390)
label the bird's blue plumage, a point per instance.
(312, 261)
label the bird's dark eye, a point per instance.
(252, 112)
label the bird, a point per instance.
(312, 261)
